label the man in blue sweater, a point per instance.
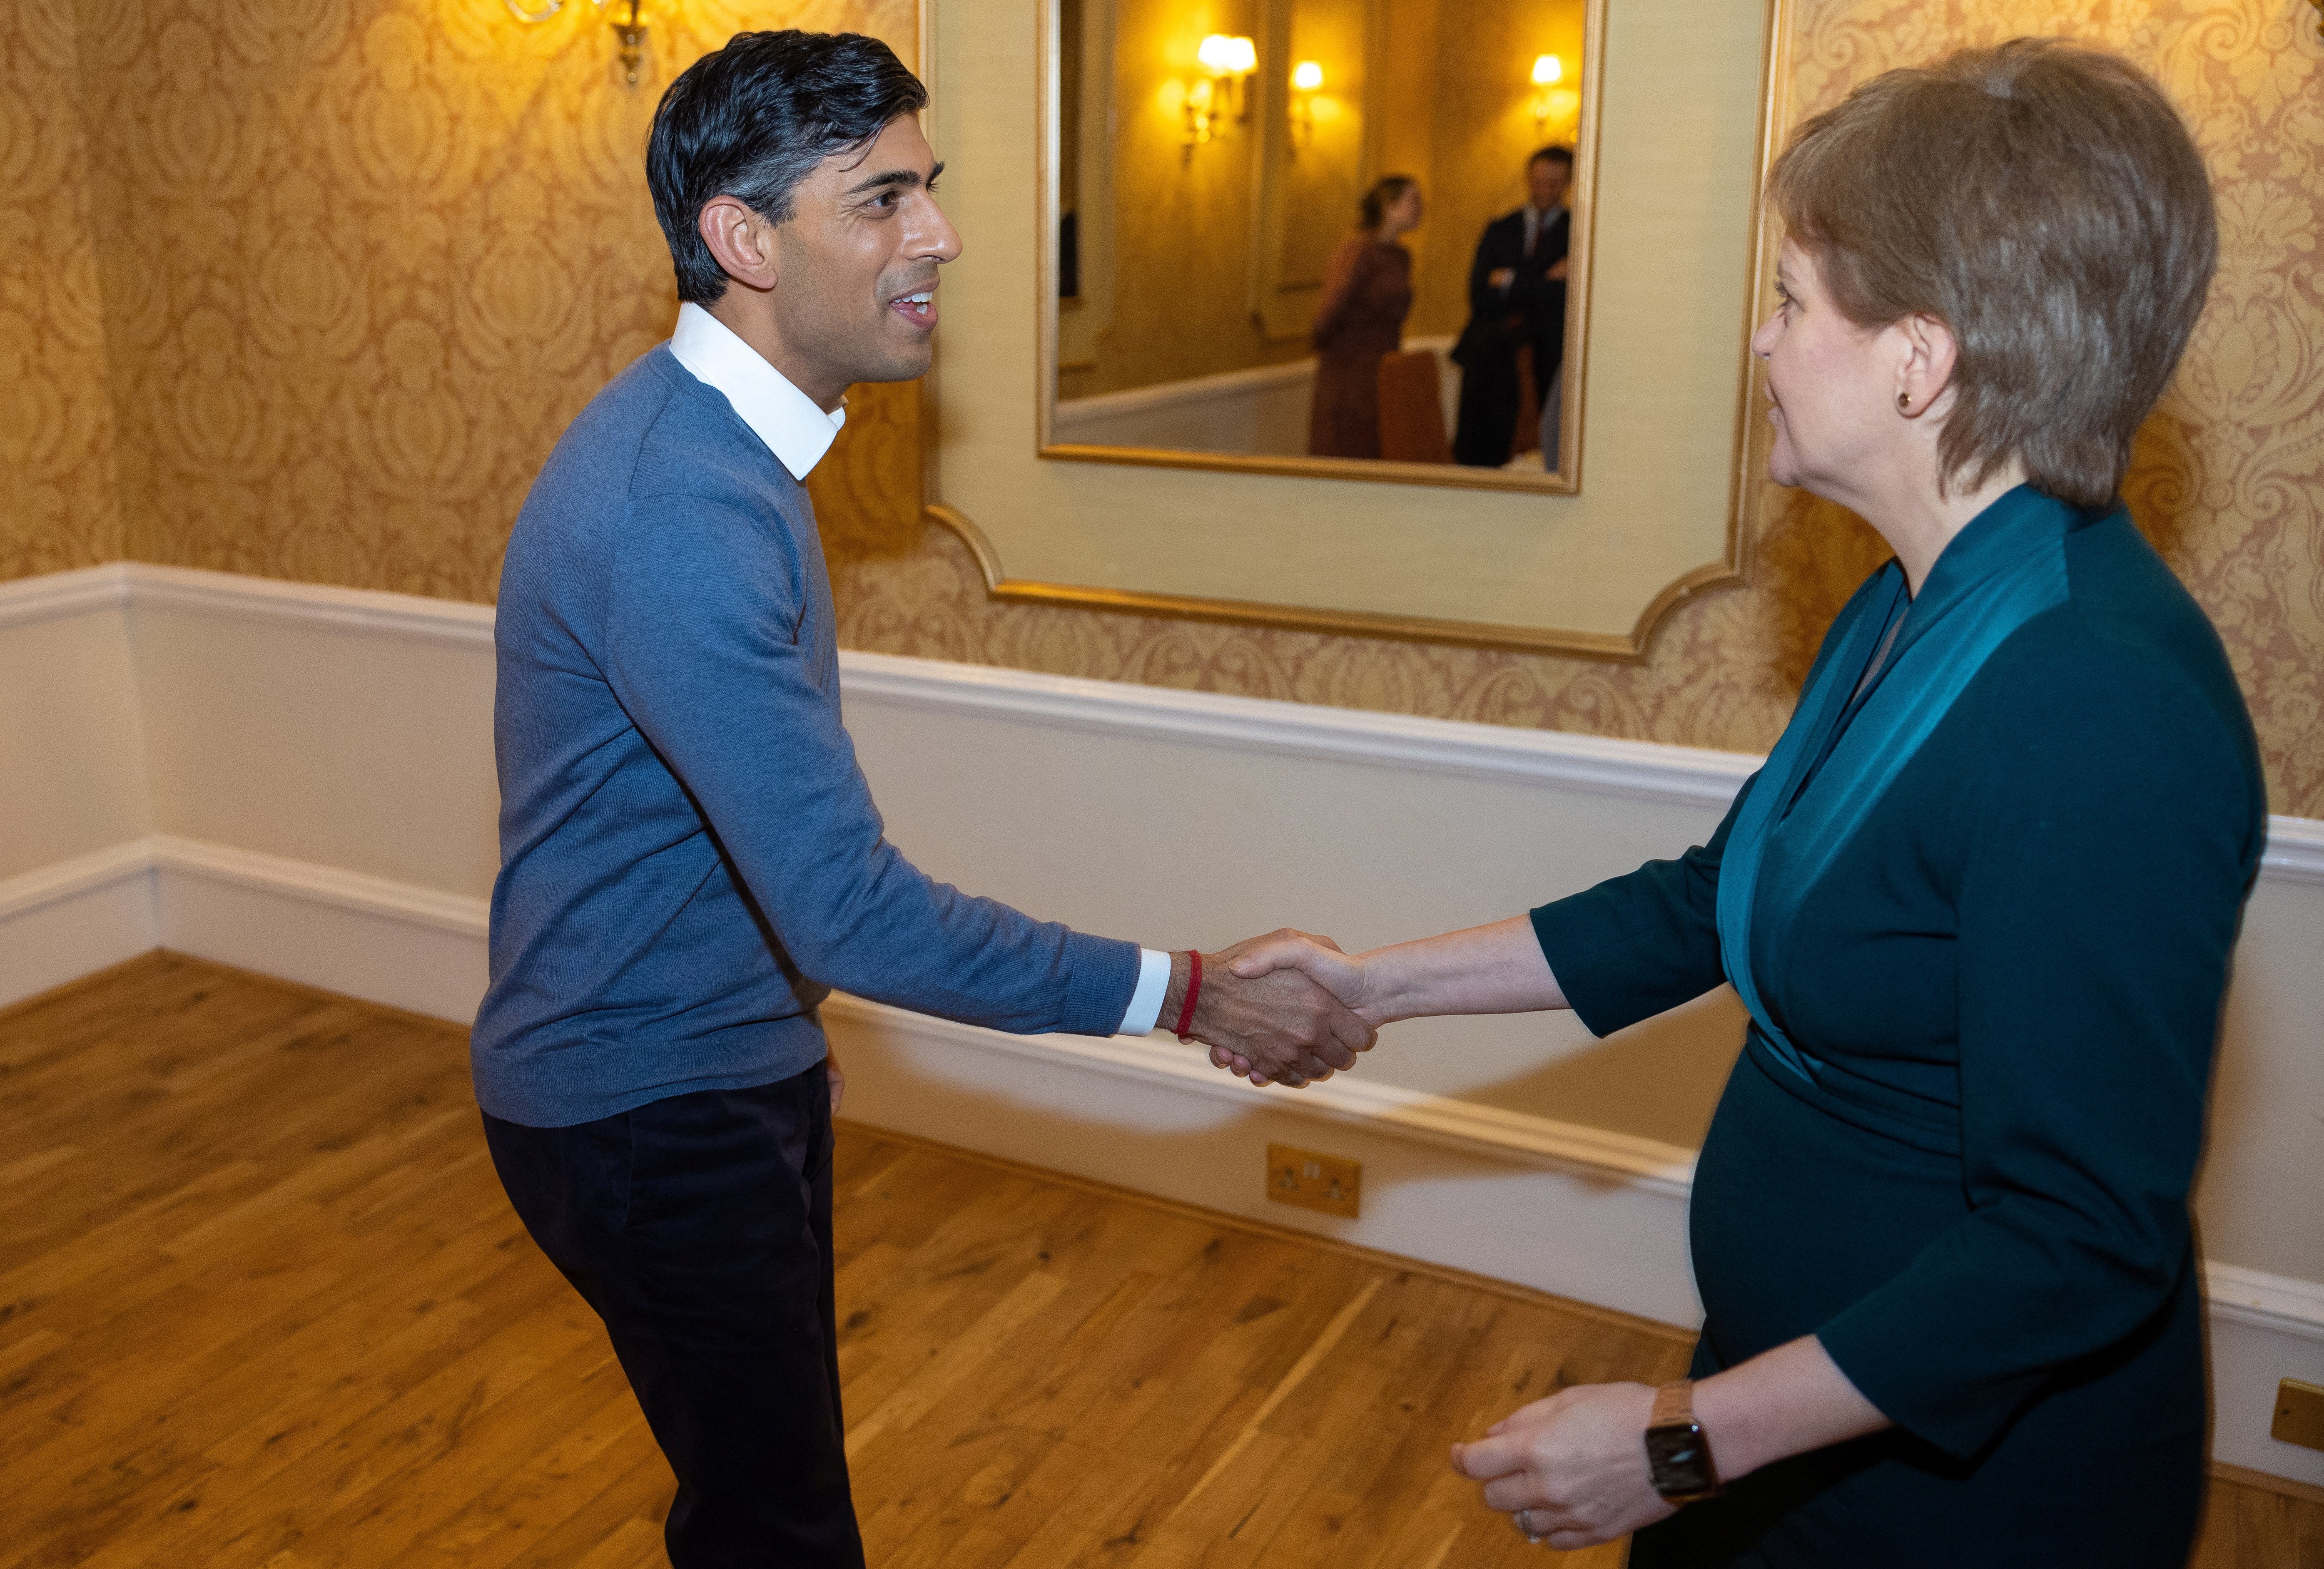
(690, 859)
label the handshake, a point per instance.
(1286, 1008)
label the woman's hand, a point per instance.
(1340, 974)
(1576, 1463)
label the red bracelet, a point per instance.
(1193, 990)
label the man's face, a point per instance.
(856, 262)
(1546, 183)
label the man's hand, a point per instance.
(1501, 276)
(1278, 1027)
(1575, 1462)
(834, 1078)
(1557, 273)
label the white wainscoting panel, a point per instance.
(73, 773)
(356, 856)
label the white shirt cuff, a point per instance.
(1146, 1001)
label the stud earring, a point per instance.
(1904, 402)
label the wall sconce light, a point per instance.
(1306, 78)
(626, 27)
(1227, 62)
(1548, 70)
(1551, 101)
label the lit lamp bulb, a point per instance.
(1548, 70)
(1227, 56)
(1307, 76)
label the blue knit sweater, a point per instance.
(690, 859)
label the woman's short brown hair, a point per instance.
(2045, 202)
(1373, 209)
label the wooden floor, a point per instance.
(262, 1306)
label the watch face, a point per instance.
(1680, 1462)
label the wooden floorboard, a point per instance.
(263, 1307)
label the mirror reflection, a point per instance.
(1317, 229)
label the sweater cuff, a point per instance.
(1103, 977)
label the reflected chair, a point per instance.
(1411, 413)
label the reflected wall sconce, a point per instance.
(1551, 101)
(1548, 70)
(1306, 79)
(1220, 91)
(626, 26)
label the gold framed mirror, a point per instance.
(1354, 241)
(1683, 112)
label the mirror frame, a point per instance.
(1565, 480)
(1746, 465)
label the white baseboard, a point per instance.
(62, 921)
(1597, 1216)
(342, 931)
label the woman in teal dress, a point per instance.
(1980, 901)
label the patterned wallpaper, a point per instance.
(2227, 483)
(363, 259)
(59, 508)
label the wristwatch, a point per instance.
(1678, 1456)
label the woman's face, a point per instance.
(1833, 385)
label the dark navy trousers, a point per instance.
(699, 1228)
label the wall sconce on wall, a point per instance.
(1552, 103)
(1221, 91)
(1306, 78)
(626, 27)
(1548, 70)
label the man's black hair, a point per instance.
(1554, 154)
(752, 120)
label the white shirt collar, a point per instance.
(786, 419)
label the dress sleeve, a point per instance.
(703, 652)
(2107, 815)
(1642, 943)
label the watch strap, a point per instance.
(1678, 1452)
(1673, 1405)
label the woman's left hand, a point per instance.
(1576, 1463)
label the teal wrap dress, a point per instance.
(1980, 903)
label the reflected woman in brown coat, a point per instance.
(1367, 294)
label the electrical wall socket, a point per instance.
(2299, 1414)
(1314, 1181)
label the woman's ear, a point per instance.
(1925, 376)
(740, 242)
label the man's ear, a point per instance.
(741, 240)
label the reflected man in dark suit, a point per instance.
(1516, 295)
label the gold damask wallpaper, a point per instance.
(362, 260)
(58, 505)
